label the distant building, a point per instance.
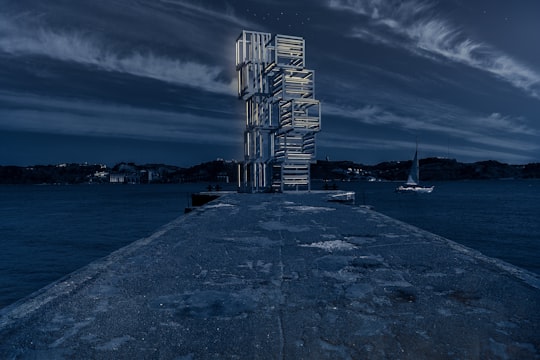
(133, 178)
(125, 178)
(101, 174)
(148, 176)
(223, 177)
(116, 178)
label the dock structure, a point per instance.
(282, 114)
(282, 276)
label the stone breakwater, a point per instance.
(282, 276)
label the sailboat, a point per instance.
(413, 181)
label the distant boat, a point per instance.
(345, 197)
(413, 181)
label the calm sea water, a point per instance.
(47, 232)
(499, 218)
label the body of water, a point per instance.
(47, 232)
(500, 218)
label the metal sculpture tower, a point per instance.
(282, 114)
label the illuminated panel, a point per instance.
(282, 114)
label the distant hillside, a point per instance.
(212, 171)
(431, 169)
(48, 174)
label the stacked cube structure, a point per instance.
(282, 114)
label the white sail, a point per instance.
(414, 173)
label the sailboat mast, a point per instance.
(417, 163)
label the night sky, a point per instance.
(153, 81)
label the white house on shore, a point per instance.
(117, 178)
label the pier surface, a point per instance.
(272, 276)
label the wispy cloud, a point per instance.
(378, 116)
(504, 124)
(19, 40)
(228, 15)
(435, 117)
(470, 152)
(64, 116)
(416, 26)
(490, 129)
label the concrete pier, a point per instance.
(273, 276)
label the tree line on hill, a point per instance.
(431, 169)
(147, 173)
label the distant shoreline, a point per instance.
(221, 171)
